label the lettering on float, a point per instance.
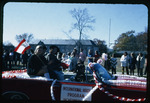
(74, 92)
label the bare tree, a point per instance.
(7, 43)
(83, 22)
(27, 37)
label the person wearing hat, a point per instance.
(54, 65)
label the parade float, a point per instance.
(17, 85)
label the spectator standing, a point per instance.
(90, 56)
(108, 65)
(140, 64)
(106, 60)
(10, 59)
(96, 56)
(82, 56)
(113, 62)
(64, 58)
(145, 72)
(68, 58)
(76, 53)
(31, 53)
(6, 58)
(15, 58)
(24, 59)
(124, 62)
(132, 63)
(44, 48)
(18, 58)
(73, 62)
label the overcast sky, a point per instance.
(49, 20)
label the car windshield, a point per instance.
(101, 73)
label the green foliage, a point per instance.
(130, 42)
(101, 45)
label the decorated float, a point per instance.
(17, 84)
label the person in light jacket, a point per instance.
(140, 64)
(124, 62)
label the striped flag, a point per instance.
(22, 47)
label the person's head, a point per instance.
(44, 48)
(81, 50)
(79, 61)
(68, 53)
(90, 51)
(141, 54)
(96, 52)
(53, 49)
(73, 54)
(74, 50)
(132, 54)
(64, 54)
(38, 50)
(125, 53)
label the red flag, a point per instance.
(22, 47)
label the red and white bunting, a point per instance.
(91, 66)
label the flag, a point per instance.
(22, 47)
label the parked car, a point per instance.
(17, 85)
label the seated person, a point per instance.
(54, 65)
(80, 69)
(73, 62)
(37, 65)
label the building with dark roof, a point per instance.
(65, 45)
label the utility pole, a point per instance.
(109, 30)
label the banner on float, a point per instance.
(74, 92)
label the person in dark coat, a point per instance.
(146, 67)
(80, 69)
(18, 58)
(5, 59)
(132, 63)
(37, 65)
(25, 59)
(140, 64)
(54, 65)
(11, 53)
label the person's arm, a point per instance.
(33, 66)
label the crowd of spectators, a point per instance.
(76, 60)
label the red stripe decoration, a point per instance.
(20, 44)
(22, 47)
(26, 49)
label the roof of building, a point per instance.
(62, 42)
